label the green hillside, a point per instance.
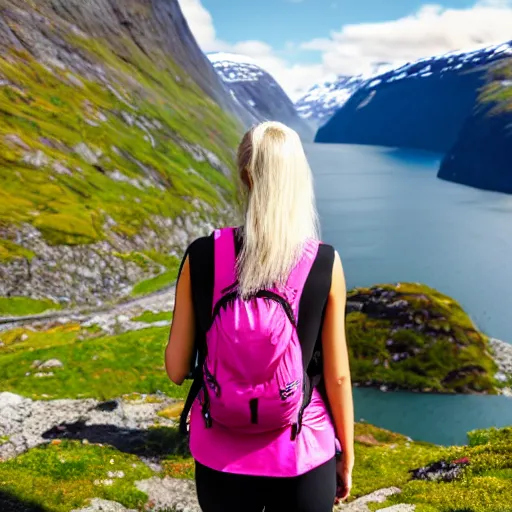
(103, 146)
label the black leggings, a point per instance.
(314, 491)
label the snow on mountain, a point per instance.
(324, 99)
(257, 92)
(452, 61)
(420, 105)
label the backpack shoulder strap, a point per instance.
(299, 274)
(224, 257)
(223, 276)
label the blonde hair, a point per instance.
(280, 210)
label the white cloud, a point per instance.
(359, 47)
(200, 22)
(431, 30)
(293, 78)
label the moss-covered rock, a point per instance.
(410, 336)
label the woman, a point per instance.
(272, 392)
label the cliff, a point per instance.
(115, 148)
(482, 154)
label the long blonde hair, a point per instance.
(280, 210)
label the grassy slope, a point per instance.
(61, 477)
(439, 338)
(132, 363)
(105, 367)
(70, 209)
(485, 486)
(95, 366)
(46, 113)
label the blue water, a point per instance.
(391, 219)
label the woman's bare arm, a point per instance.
(336, 363)
(179, 350)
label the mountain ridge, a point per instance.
(403, 107)
(258, 93)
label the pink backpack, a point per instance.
(253, 376)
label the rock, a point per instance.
(37, 159)
(367, 439)
(60, 168)
(441, 471)
(75, 80)
(51, 363)
(128, 119)
(100, 505)
(361, 504)
(86, 153)
(17, 141)
(398, 508)
(29, 423)
(170, 493)
(116, 175)
(115, 474)
(502, 355)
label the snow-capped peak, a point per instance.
(235, 58)
(233, 67)
(325, 98)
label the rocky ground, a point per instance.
(101, 352)
(123, 423)
(503, 357)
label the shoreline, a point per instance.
(502, 355)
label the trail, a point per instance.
(162, 300)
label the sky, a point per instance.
(303, 42)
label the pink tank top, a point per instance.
(271, 454)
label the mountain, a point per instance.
(482, 155)
(421, 105)
(115, 148)
(324, 99)
(258, 93)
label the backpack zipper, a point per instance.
(211, 380)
